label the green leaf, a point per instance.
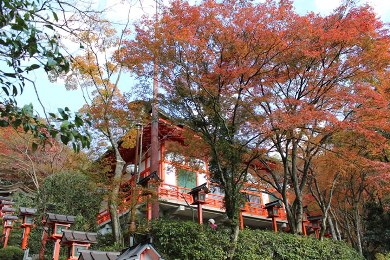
(55, 16)
(78, 121)
(34, 146)
(33, 67)
(5, 90)
(63, 114)
(3, 123)
(65, 139)
(16, 123)
(49, 26)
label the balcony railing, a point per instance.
(180, 195)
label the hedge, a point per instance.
(188, 240)
(11, 253)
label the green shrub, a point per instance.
(380, 256)
(272, 245)
(188, 240)
(11, 253)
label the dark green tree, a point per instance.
(377, 227)
(71, 194)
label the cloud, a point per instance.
(325, 7)
(382, 8)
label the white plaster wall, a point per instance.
(170, 174)
(201, 178)
(142, 166)
(265, 197)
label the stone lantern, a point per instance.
(55, 224)
(27, 215)
(315, 224)
(198, 198)
(150, 184)
(77, 241)
(8, 222)
(273, 212)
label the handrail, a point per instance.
(180, 194)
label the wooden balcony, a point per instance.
(175, 195)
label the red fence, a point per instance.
(180, 194)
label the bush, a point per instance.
(380, 256)
(272, 245)
(188, 240)
(11, 253)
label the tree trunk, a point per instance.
(113, 198)
(338, 231)
(358, 231)
(234, 231)
(332, 228)
(323, 225)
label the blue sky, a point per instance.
(54, 95)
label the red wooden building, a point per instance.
(178, 175)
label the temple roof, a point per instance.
(78, 236)
(5, 198)
(8, 209)
(27, 211)
(57, 218)
(134, 252)
(8, 217)
(7, 190)
(6, 202)
(97, 255)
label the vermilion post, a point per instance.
(304, 228)
(241, 221)
(317, 233)
(26, 234)
(149, 211)
(200, 214)
(275, 226)
(57, 247)
(6, 236)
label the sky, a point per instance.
(54, 95)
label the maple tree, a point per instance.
(20, 163)
(259, 78)
(323, 84)
(111, 113)
(201, 71)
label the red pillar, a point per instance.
(57, 247)
(317, 233)
(6, 236)
(274, 225)
(26, 234)
(149, 211)
(241, 221)
(304, 228)
(200, 214)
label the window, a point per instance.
(78, 248)
(272, 198)
(59, 229)
(186, 179)
(29, 219)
